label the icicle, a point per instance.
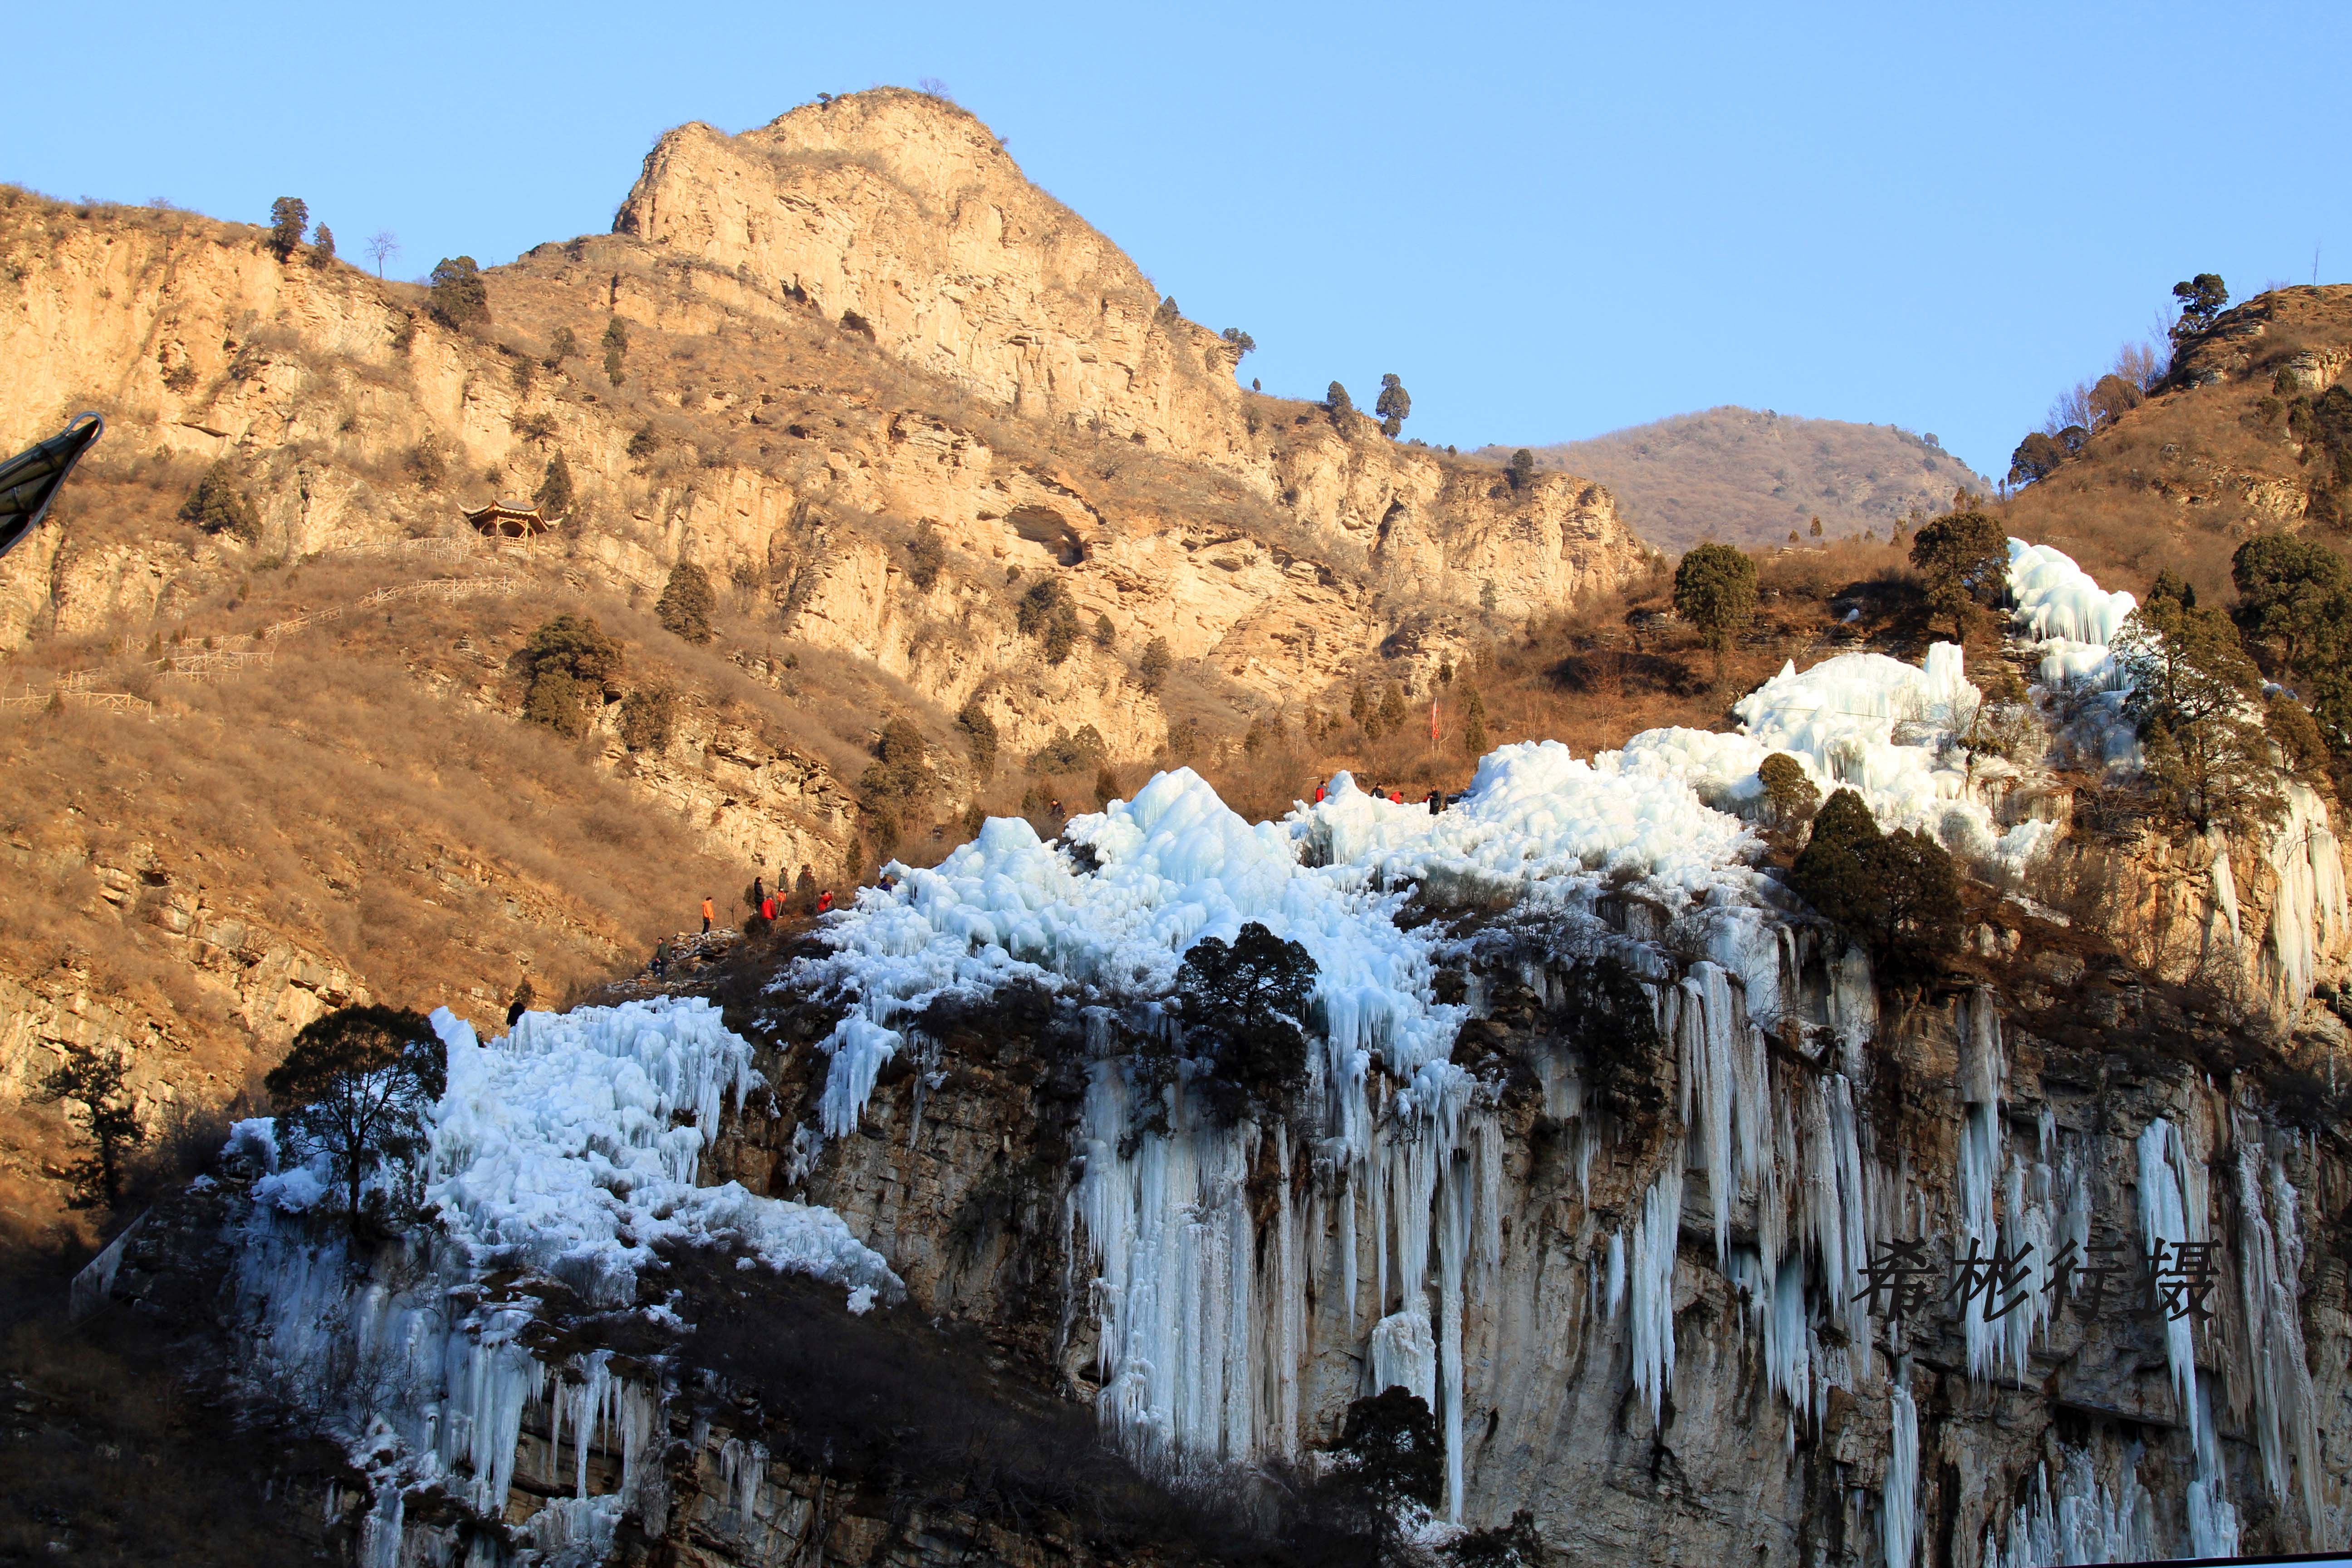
(1898, 1514)
(1652, 1284)
(2269, 1266)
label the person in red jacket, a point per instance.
(768, 907)
(824, 902)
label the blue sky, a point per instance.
(1551, 221)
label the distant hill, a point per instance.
(1746, 477)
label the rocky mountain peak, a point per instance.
(901, 217)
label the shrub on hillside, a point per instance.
(616, 351)
(1046, 612)
(925, 554)
(567, 662)
(220, 505)
(648, 717)
(687, 603)
(1083, 753)
(979, 737)
(322, 248)
(563, 346)
(1521, 469)
(895, 782)
(459, 298)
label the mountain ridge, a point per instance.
(1750, 477)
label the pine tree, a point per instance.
(1338, 405)
(220, 505)
(288, 215)
(1789, 794)
(1521, 469)
(1473, 723)
(554, 494)
(322, 248)
(1152, 669)
(96, 1081)
(616, 349)
(560, 347)
(569, 660)
(979, 737)
(460, 300)
(1392, 708)
(358, 1086)
(1715, 591)
(687, 603)
(1394, 405)
(1965, 559)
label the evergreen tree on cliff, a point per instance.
(687, 603)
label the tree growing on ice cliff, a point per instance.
(358, 1086)
(1965, 559)
(1896, 891)
(1247, 1002)
(2193, 696)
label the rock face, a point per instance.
(900, 217)
(853, 333)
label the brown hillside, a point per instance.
(2186, 476)
(1748, 477)
(877, 387)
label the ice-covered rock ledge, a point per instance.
(1373, 1251)
(563, 1156)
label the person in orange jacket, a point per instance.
(709, 913)
(824, 902)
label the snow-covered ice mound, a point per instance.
(1171, 865)
(571, 1147)
(1535, 814)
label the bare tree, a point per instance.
(2143, 365)
(2072, 407)
(382, 245)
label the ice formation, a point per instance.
(561, 1156)
(568, 1151)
